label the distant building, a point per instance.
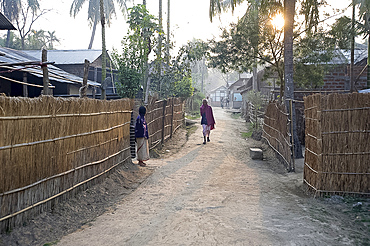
(21, 75)
(5, 24)
(72, 61)
(217, 95)
(234, 96)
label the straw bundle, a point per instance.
(337, 143)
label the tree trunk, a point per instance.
(7, 39)
(159, 52)
(352, 77)
(289, 7)
(168, 32)
(104, 50)
(93, 33)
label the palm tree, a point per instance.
(51, 38)
(94, 12)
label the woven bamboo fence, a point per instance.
(164, 118)
(51, 148)
(337, 155)
(275, 129)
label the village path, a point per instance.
(215, 194)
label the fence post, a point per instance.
(163, 119)
(172, 106)
(84, 86)
(44, 59)
(292, 133)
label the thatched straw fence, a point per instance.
(51, 148)
(275, 129)
(163, 117)
(337, 156)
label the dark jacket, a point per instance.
(141, 128)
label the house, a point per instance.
(72, 61)
(5, 24)
(21, 75)
(234, 95)
(217, 95)
(338, 78)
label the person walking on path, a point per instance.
(142, 136)
(208, 121)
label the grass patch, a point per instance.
(52, 243)
(235, 115)
(192, 115)
(190, 130)
(249, 133)
(246, 134)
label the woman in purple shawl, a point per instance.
(208, 122)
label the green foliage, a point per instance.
(311, 59)
(309, 76)
(245, 41)
(256, 98)
(128, 83)
(253, 37)
(194, 102)
(35, 40)
(341, 32)
(183, 88)
(136, 47)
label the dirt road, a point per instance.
(214, 194)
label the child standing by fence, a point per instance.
(142, 136)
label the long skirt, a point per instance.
(206, 130)
(142, 149)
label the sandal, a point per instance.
(142, 164)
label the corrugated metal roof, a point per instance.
(55, 73)
(5, 24)
(344, 56)
(68, 56)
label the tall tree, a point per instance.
(24, 14)
(159, 51)
(51, 38)
(104, 50)
(168, 32)
(94, 12)
(364, 6)
(10, 9)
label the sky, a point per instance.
(189, 19)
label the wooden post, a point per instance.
(44, 59)
(25, 88)
(173, 103)
(83, 89)
(164, 119)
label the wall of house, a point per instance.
(5, 87)
(339, 78)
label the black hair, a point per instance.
(142, 110)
